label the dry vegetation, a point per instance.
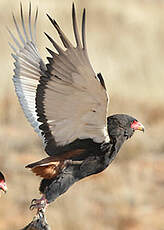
(126, 43)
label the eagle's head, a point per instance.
(3, 185)
(123, 124)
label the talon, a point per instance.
(32, 207)
(33, 201)
(39, 204)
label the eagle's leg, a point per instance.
(39, 204)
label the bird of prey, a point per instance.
(66, 103)
(3, 185)
(38, 223)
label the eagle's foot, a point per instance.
(39, 204)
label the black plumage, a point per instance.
(119, 131)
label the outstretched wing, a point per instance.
(28, 68)
(72, 101)
(64, 101)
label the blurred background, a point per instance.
(126, 44)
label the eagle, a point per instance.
(66, 103)
(39, 222)
(3, 185)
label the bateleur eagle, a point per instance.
(3, 185)
(39, 222)
(66, 103)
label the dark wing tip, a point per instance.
(21, 9)
(100, 77)
(36, 14)
(75, 27)
(57, 47)
(83, 29)
(51, 40)
(73, 8)
(64, 39)
(29, 7)
(51, 20)
(51, 52)
(21, 5)
(73, 12)
(84, 13)
(54, 23)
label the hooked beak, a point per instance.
(136, 125)
(3, 186)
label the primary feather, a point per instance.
(28, 68)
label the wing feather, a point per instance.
(65, 102)
(28, 68)
(75, 28)
(73, 98)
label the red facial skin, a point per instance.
(136, 125)
(3, 186)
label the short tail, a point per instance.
(47, 168)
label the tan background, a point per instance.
(126, 44)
